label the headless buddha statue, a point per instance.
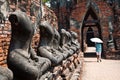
(64, 42)
(74, 41)
(45, 48)
(5, 74)
(69, 41)
(22, 59)
(56, 44)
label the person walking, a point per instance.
(98, 51)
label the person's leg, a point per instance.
(97, 56)
(100, 57)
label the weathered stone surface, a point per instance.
(72, 62)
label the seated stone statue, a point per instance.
(63, 42)
(56, 44)
(45, 48)
(22, 59)
(74, 41)
(69, 41)
(5, 74)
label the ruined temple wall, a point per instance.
(104, 12)
(68, 69)
(116, 31)
(5, 33)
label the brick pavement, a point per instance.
(105, 70)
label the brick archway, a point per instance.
(98, 10)
(91, 20)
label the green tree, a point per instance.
(44, 1)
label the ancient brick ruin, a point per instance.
(69, 68)
(106, 28)
(96, 16)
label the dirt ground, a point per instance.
(105, 70)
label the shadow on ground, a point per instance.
(89, 54)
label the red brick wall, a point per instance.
(4, 42)
(5, 33)
(65, 70)
(78, 14)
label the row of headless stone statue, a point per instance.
(53, 48)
